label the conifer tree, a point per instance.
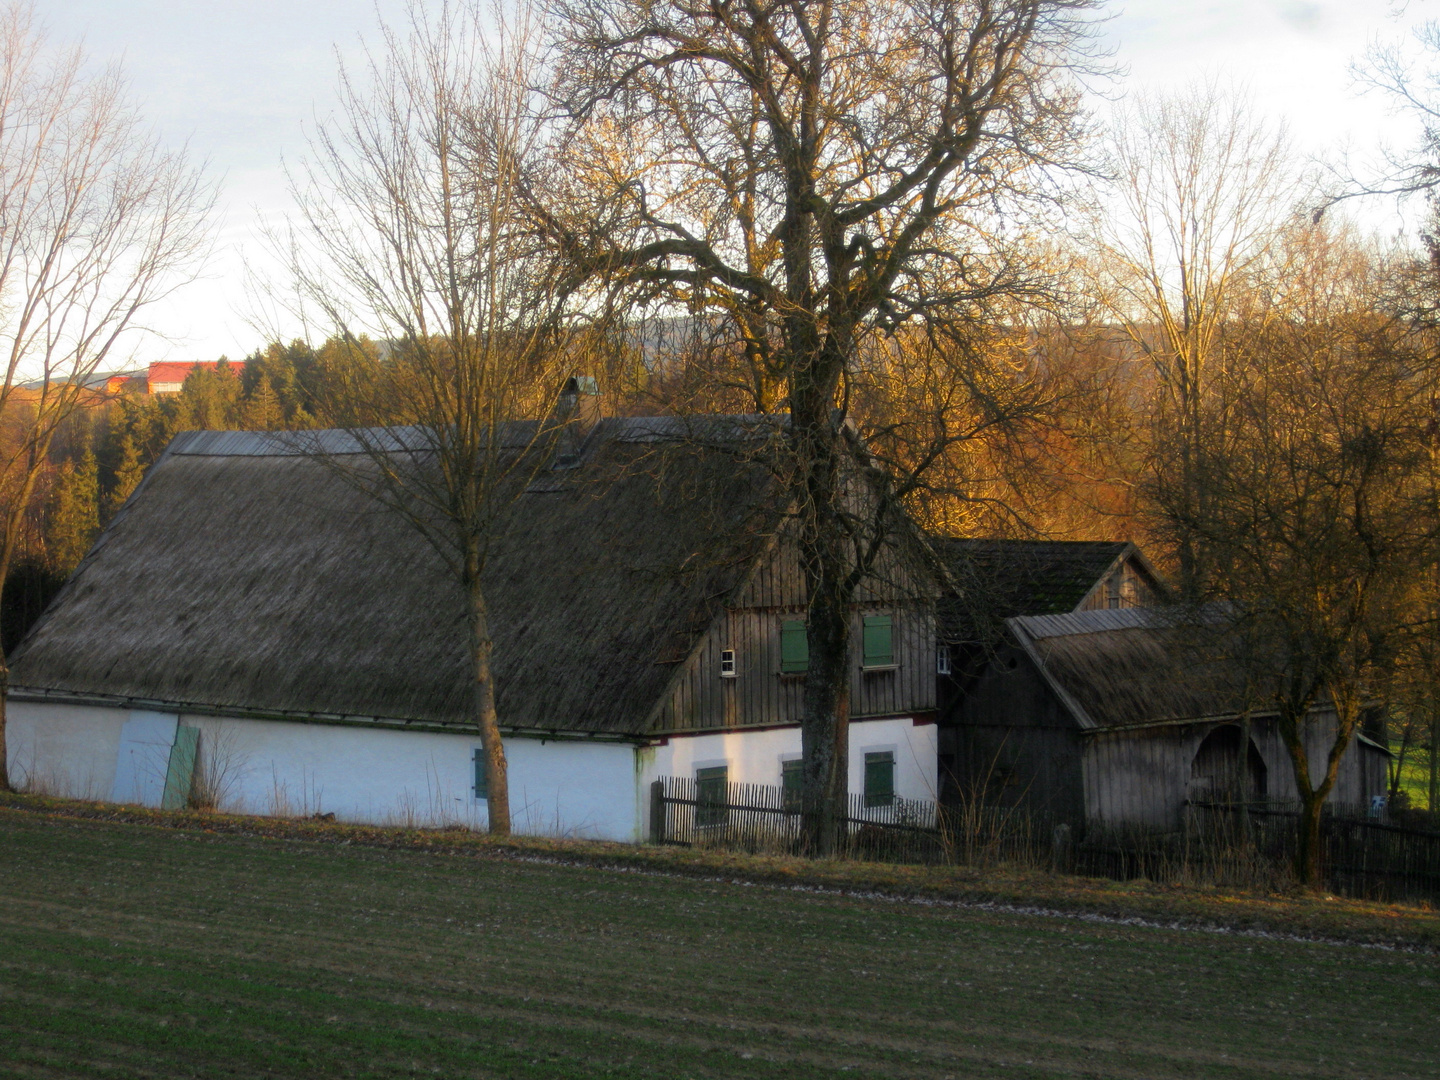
(128, 473)
(74, 513)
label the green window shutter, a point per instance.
(794, 648)
(711, 789)
(180, 772)
(792, 781)
(880, 778)
(482, 789)
(879, 641)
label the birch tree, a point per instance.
(823, 178)
(98, 222)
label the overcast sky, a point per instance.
(242, 80)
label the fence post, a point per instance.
(1060, 862)
(657, 812)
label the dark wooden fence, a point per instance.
(760, 818)
(1362, 855)
(1233, 844)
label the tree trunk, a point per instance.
(825, 725)
(825, 730)
(1308, 867)
(1308, 864)
(7, 555)
(4, 709)
(497, 786)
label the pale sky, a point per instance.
(242, 80)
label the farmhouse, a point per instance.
(253, 621)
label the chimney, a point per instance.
(580, 403)
(578, 411)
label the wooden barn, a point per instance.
(252, 623)
(1124, 716)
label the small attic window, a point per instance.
(942, 661)
(727, 664)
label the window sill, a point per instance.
(879, 668)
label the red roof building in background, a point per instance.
(167, 377)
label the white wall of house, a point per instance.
(756, 757)
(383, 776)
(375, 775)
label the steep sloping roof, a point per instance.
(1133, 666)
(998, 579)
(245, 575)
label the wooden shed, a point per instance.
(1123, 717)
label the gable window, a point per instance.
(477, 760)
(792, 782)
(710, 791)
(942, 661)
(794, 646)
(727, 663)
(879, 641)
(880, 778)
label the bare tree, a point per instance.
(1181, 238)
(1315, 518)
(97, 223)
(412, 233)
(824, 178)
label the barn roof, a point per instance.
(1134, 666)
(999, 579)
(247, 576)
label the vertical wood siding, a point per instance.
(759, 694)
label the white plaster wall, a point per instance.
(374, 775)
(380, 776)
(65, 750)
(754, 757)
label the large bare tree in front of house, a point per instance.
(97, 222)
(830, 180)
(411, 233)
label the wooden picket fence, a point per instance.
(760, 818)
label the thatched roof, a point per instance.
(245, 575)
(998, 579)
(1134, 666)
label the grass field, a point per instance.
(1415, 780)
(130, 951)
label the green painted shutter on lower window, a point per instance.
(880, 778)
(482, 789)
(792, 781)
(711, 788)
(879, 641)
(794, 647)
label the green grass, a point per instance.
(128, 951)
(1415, 780)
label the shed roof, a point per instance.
(246, 575)
(1134, 666)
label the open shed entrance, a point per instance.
(1228, 768)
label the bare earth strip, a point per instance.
(128, 951)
